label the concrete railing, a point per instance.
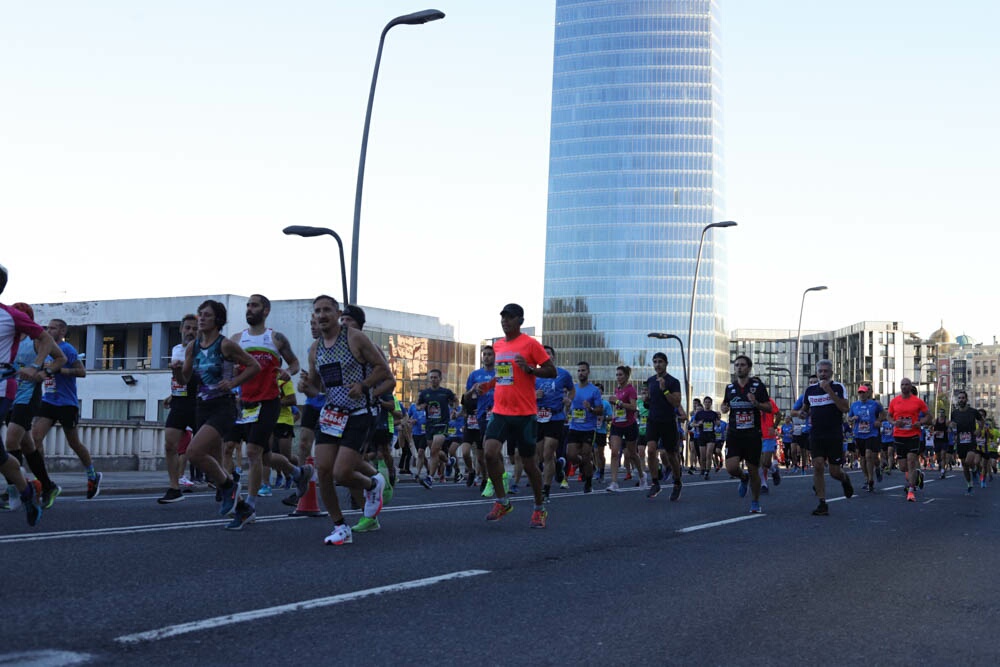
(113, 446)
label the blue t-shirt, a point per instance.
(25, 357)
(61, 390)
(720, 431)
(888, 431)
(580, 418)
(807, 424)
(484, 402)
(867, 413)
(787, 433)
(455, 428)
(419, 418)
(550, 405)
(602, 420)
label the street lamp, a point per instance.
(689, 388)
(798, 341)
(920, 372)
(309, 232)
(417, 18)
(782, 369)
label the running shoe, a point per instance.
(821, 509)
(488, 492)
(94, 486)
(470, 479)
(292, 499)
(705, 475)
(506, 482)
(49, 495)
(33, 505)
(449, 468)
(644, 481)
(230, 496)
(265, 491)
(588, 485)
(628, 476)
(654, 490)
(871, 487)
(538, 518)
(373, 497)
(848, 487)
(764, 489)
(279, 480)
(754, 507)
(171, 496)
(341, 535)
(612, 488)
(920, 480)
(366, 525)
(244, 514)
(514, 488)
(878, 474)
(389, 490)
(184, 482)
(499, 509)
(744, 484)
(564, 484)
(676, 493)
(776, 477)
(427, 482)
(942, 474)
(546, 492)
(911, 497)
(305, 476)
(982, 484)
(459, 477)
(968, 491)
(560, 469)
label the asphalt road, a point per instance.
(613, 579)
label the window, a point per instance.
(119, 410)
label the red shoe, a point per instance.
(499, 509)
(538, 518)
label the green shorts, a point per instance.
(517, 430)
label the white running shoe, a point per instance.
(185, 482)
(373, 498)
(612, 488)
(644, 481)
(341, 535)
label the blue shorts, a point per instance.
(770, 445)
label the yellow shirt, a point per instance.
(285, 388)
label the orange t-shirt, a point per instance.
(909, 409)
(515, 390)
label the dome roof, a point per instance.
(941, 335)
(965, 340)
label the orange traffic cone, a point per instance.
(308, 505)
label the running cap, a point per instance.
(512, 309)
(355, 313)
(864, 388)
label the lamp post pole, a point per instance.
(309, 232)
(798, 341)
(689, 381)
(417, 18)
(781, 369)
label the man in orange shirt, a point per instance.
(519, 360)
(907, 412)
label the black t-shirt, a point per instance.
(825, 416)
(965, 420)
(659, 409)
(940, 430)
(744, 418)
(708, 419)
(439, 403)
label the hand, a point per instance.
(177, 364)
(30, 374)
(586, 405)
(521, 361)
(357, 390)
(283, 375)
(663, 383)
(226, 385)
(825, 385)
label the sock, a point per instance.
(36, 462)
(91, 473)
(18, 454)
(539, 508)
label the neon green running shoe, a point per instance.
(366, 525)
(506, 483)
(488, 492)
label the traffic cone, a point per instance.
(308, 505)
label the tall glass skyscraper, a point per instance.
(635, 173)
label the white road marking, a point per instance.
(715, 524)
(267, 612)
(49, 658)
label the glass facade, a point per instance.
(635, 174)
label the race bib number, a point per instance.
(965, 438)
(249, 414)
(49, 385)
(579, 416)
(505, 373)
(744, 420)
(177, 389)
(433, 411)
(907, 422)
(332, 374)
(619, 414)
(642, 423)
(544, 415)
(471, 422)
(332, 422)
(452, 431)
(864, 428)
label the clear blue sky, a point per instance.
(158, 149)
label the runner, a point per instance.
(825, 403)
(966, 421)
(182, 410)
(944, 451)
(61, 404)
(624, 424)
(15, 323)
(309, 419)
(477, 418)
(769, 446)
(26, 402)
(437, 402)
(788, 441)
(345, 365)
(551, 418)
(706, 420)
(601, 436)
(662, 441)
(586, 406)
(520, 359)
(908, 411)
(866, 415)
(211, 358)
(746, 398)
